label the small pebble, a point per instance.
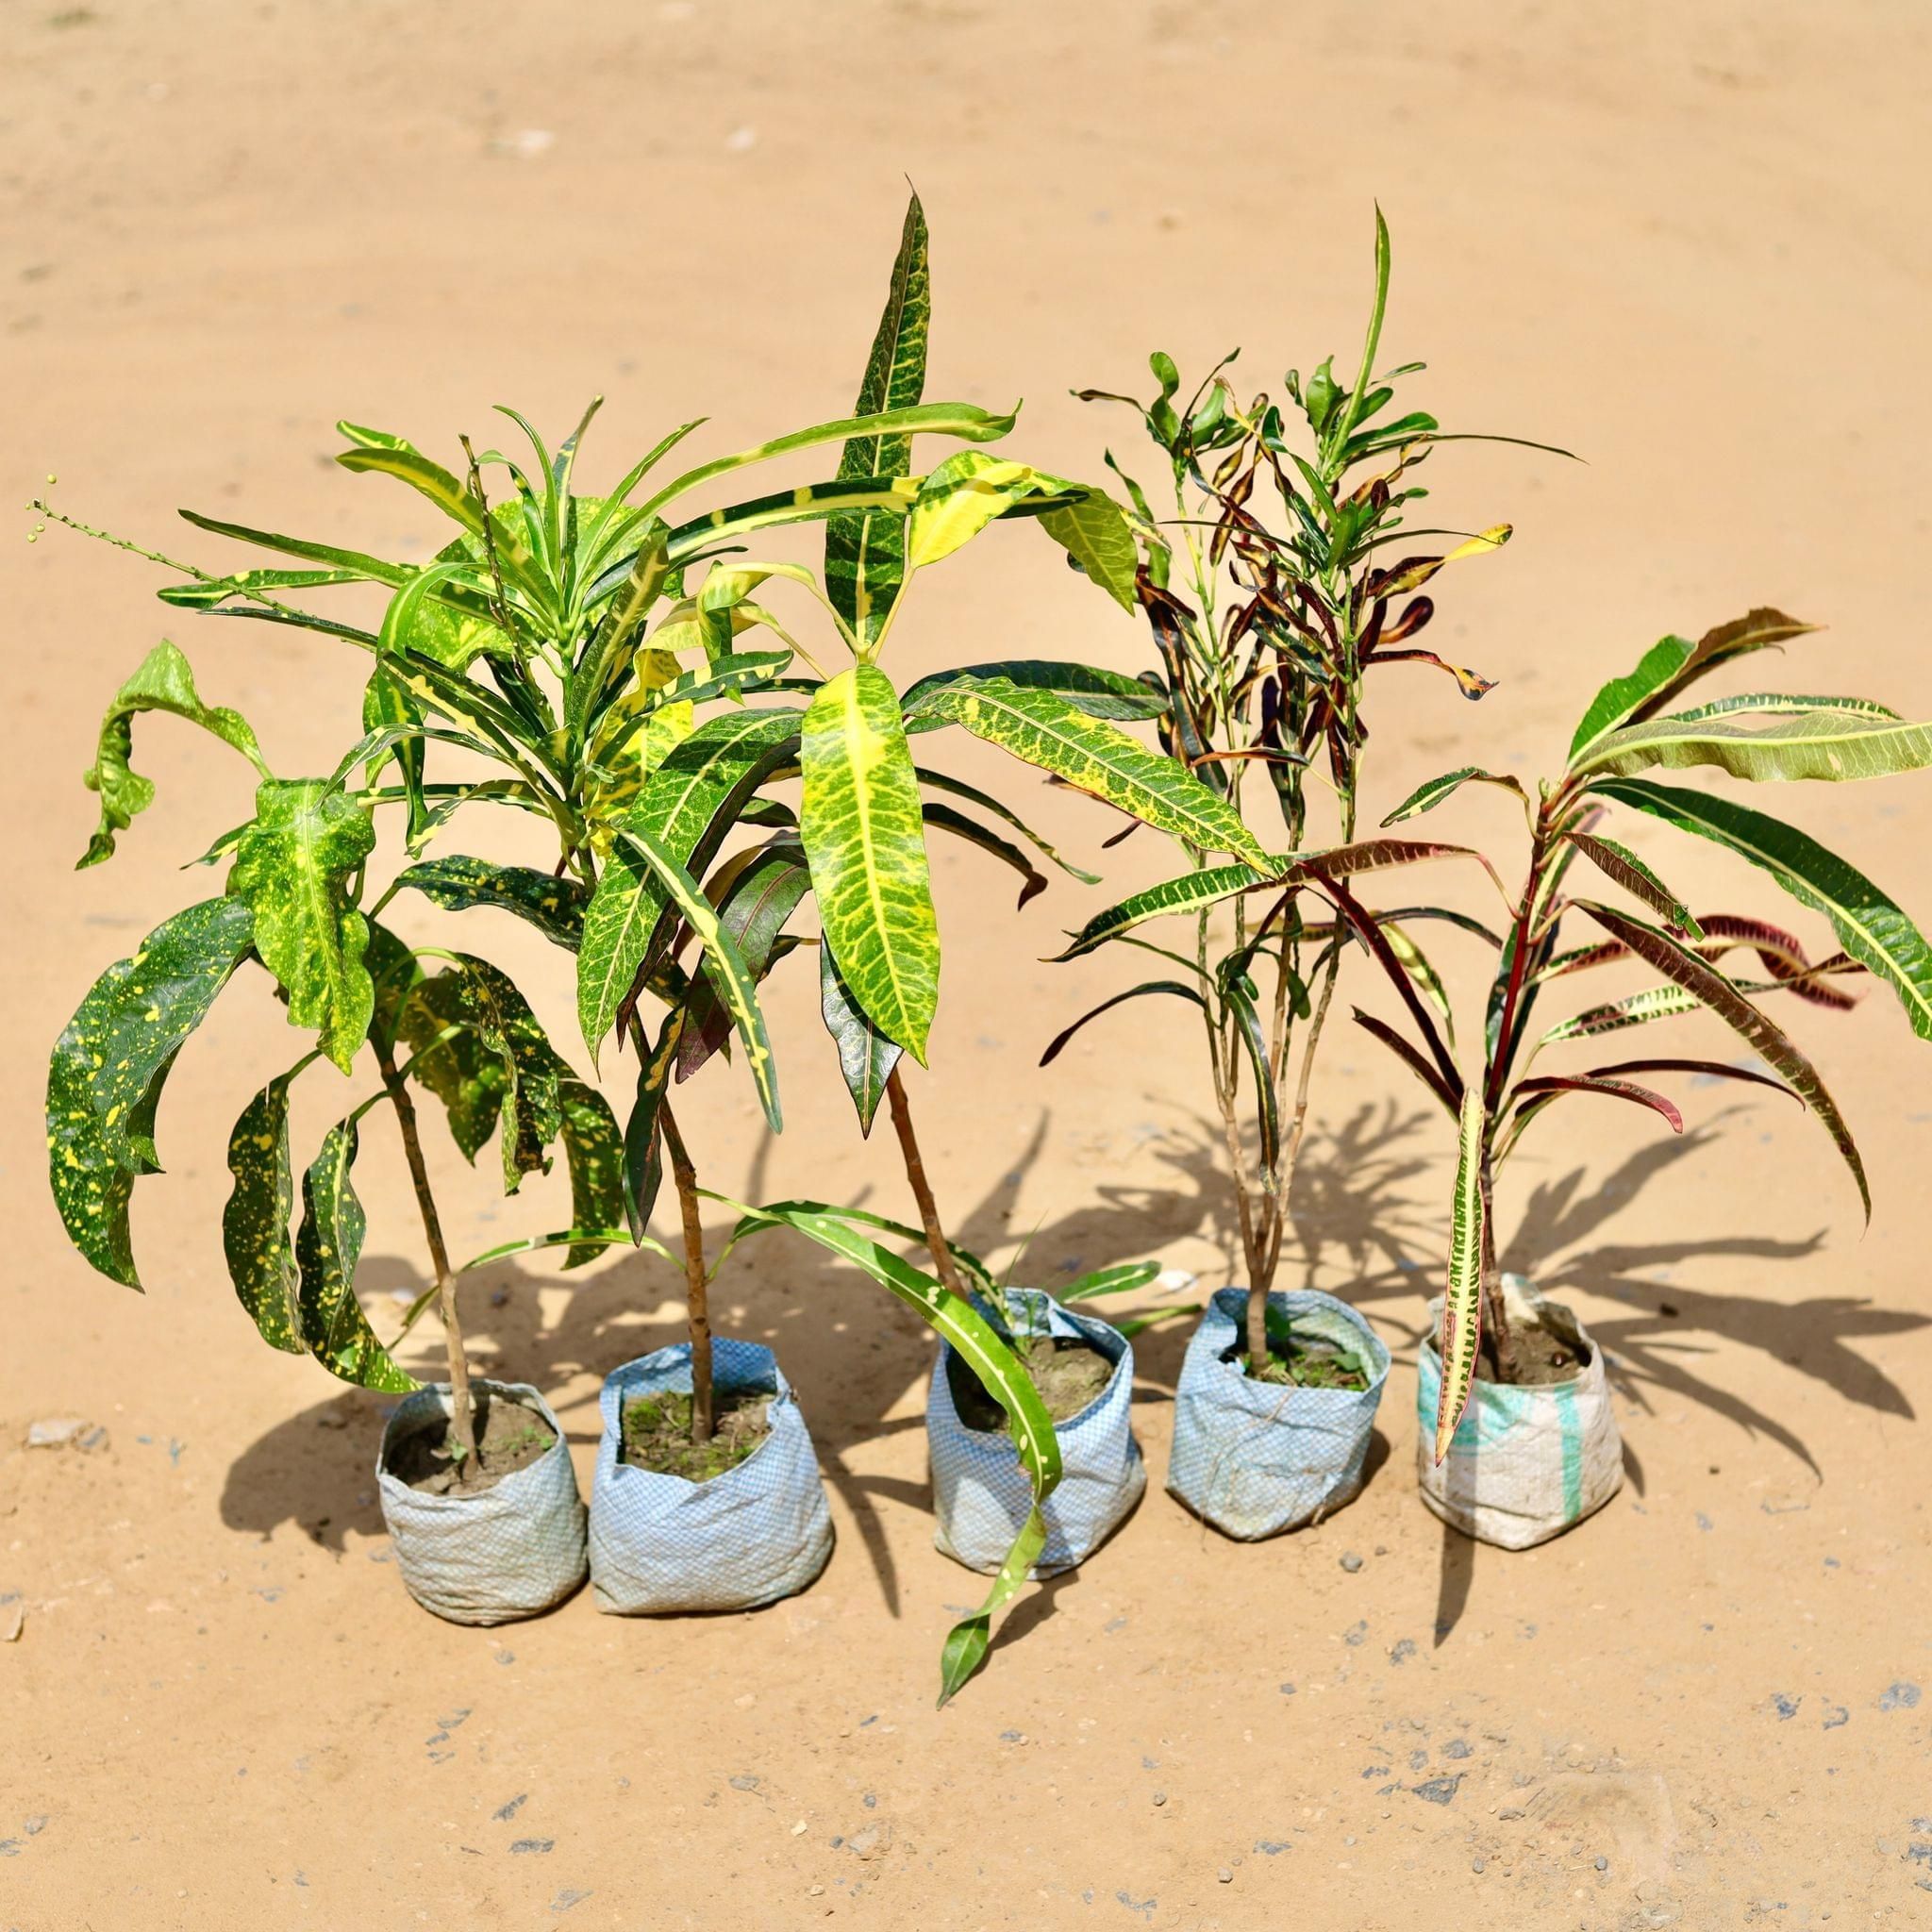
(1160, 1797)
(1225, 1875)
(1351, 1562)
(1602, 1864)
(1475, 1864)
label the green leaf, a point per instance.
(1237, 999)
(865, 842)
(1633, 1009)
(987, 1354)
(293, 869)
(865, 554)
(1678, 963)
(255, 1222)
(939, 781)
(960, 498)
(1133, 993)
(1094, 532)
(388, 706)
(734, 981)
(1096, 757)
(453, 1058)
(553, 906)
(1462, 1303)
(1869, 926)
(1192, 892)
(1099, 694)
(688, 805)
(1620, 863)
(328, 1244)
(352, 563)
(866, 1057)
(1032, 880)
(1122, 1279)
(1830, 744)
(1669, 666)
(433, 481)
(163, 683)
(643, 1146)
(107, 1068)
(1427, 796)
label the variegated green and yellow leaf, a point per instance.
(328, 1245)
(1097, 757)
(255, 1222)
(105, 1077)
(553, 906)
(1463, 1300)
(295, 868)
(1832, 746)
(865, 842)
(163, 683)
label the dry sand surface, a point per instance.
(1688, 242)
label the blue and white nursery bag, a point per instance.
(1255, 1458)
(513, 1550)
(1524, 1464)
(980, 1493)
(757, 1532)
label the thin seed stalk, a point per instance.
(697, 1284)
(936, 1243)
(462, 1420)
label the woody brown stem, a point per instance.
(936, 1242)
(462, 1420)
(697, 1285)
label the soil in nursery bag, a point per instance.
(1543, 1359)
(656, 1433)
(1069, 1375)
(1316, 1367)
(509, 1438)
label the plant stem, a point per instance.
(936, 1243)
(696, 1282)
(462, 1419)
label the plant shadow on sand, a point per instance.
(1366, 1217)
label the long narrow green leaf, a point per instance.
(352, 563)
(941, 781)
(1462, 1302)
(1133, 993)
(1620, 863)
(1087, 688)
(1832, 746)
(1869, 926)
(865, 842)
(1672, 664)
(107, 1068)
(1678, 963)
(1032, 880)
(990, 1357)
(866, 1056)
(1192, 892)
(1426, 797)
(1095, 755)
(865, 554)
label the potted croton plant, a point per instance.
(1516, 1438)
(1266, 639)
(553, 660)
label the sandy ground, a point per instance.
(1688, 242)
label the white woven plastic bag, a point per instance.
(1255, 1458)
(1524, 1464)
(757, 1532)
(512, 1550)
(980, 1493)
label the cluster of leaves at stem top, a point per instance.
(1266, 633)
(615, 667)
(1637, 725)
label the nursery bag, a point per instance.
(750, 1535)
(981, 1495)
(1254, 1458)
(512, 1550)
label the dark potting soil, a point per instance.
(1541, 1357)
(1299, 1367)
(656, 1433)
(509, 1438)
(1068, 1374)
